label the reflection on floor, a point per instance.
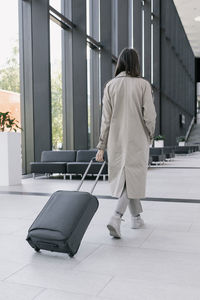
(160, 261)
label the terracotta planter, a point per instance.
(10, 158)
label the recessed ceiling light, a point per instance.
(197, 19)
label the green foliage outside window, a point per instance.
(10, 81)
(9, 74)
(56, 110)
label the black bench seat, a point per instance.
(53, 162)
(157, 155)
(169, 152)
(68, 162)
(83, 158)
(48, 167)
(80, 167)
(184, 149)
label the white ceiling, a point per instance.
(188, 10)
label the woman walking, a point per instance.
(127, 129)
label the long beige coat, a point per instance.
(127, 128)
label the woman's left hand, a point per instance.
(99, 155)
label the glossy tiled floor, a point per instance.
(160, 261)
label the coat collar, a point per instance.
(122, 74)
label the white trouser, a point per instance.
(134, 205)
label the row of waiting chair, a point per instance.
(72, 162)
(161, 154)
(67, 162)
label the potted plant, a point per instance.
(10, 150)
(180, 140)
(159, 141)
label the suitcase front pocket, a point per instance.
(47, 246)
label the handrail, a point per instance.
(189, 129)
(67, 22)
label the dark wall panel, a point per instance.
(156, 60)
(198, 69)
(147, 39)
(177, 76)
(35, 79)
(122, 24)
(41, 76)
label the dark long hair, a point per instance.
(128, 61)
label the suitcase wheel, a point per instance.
(37, 249)
(71, 255)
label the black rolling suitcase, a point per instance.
(61, 224)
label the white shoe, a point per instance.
(114, 226)
(136, 222)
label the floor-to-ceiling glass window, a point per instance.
(56, 4)
(89, 93)
(152, 44)
(9, 59)
(56, 81)
(93, 72)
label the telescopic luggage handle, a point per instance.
(86, 172)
